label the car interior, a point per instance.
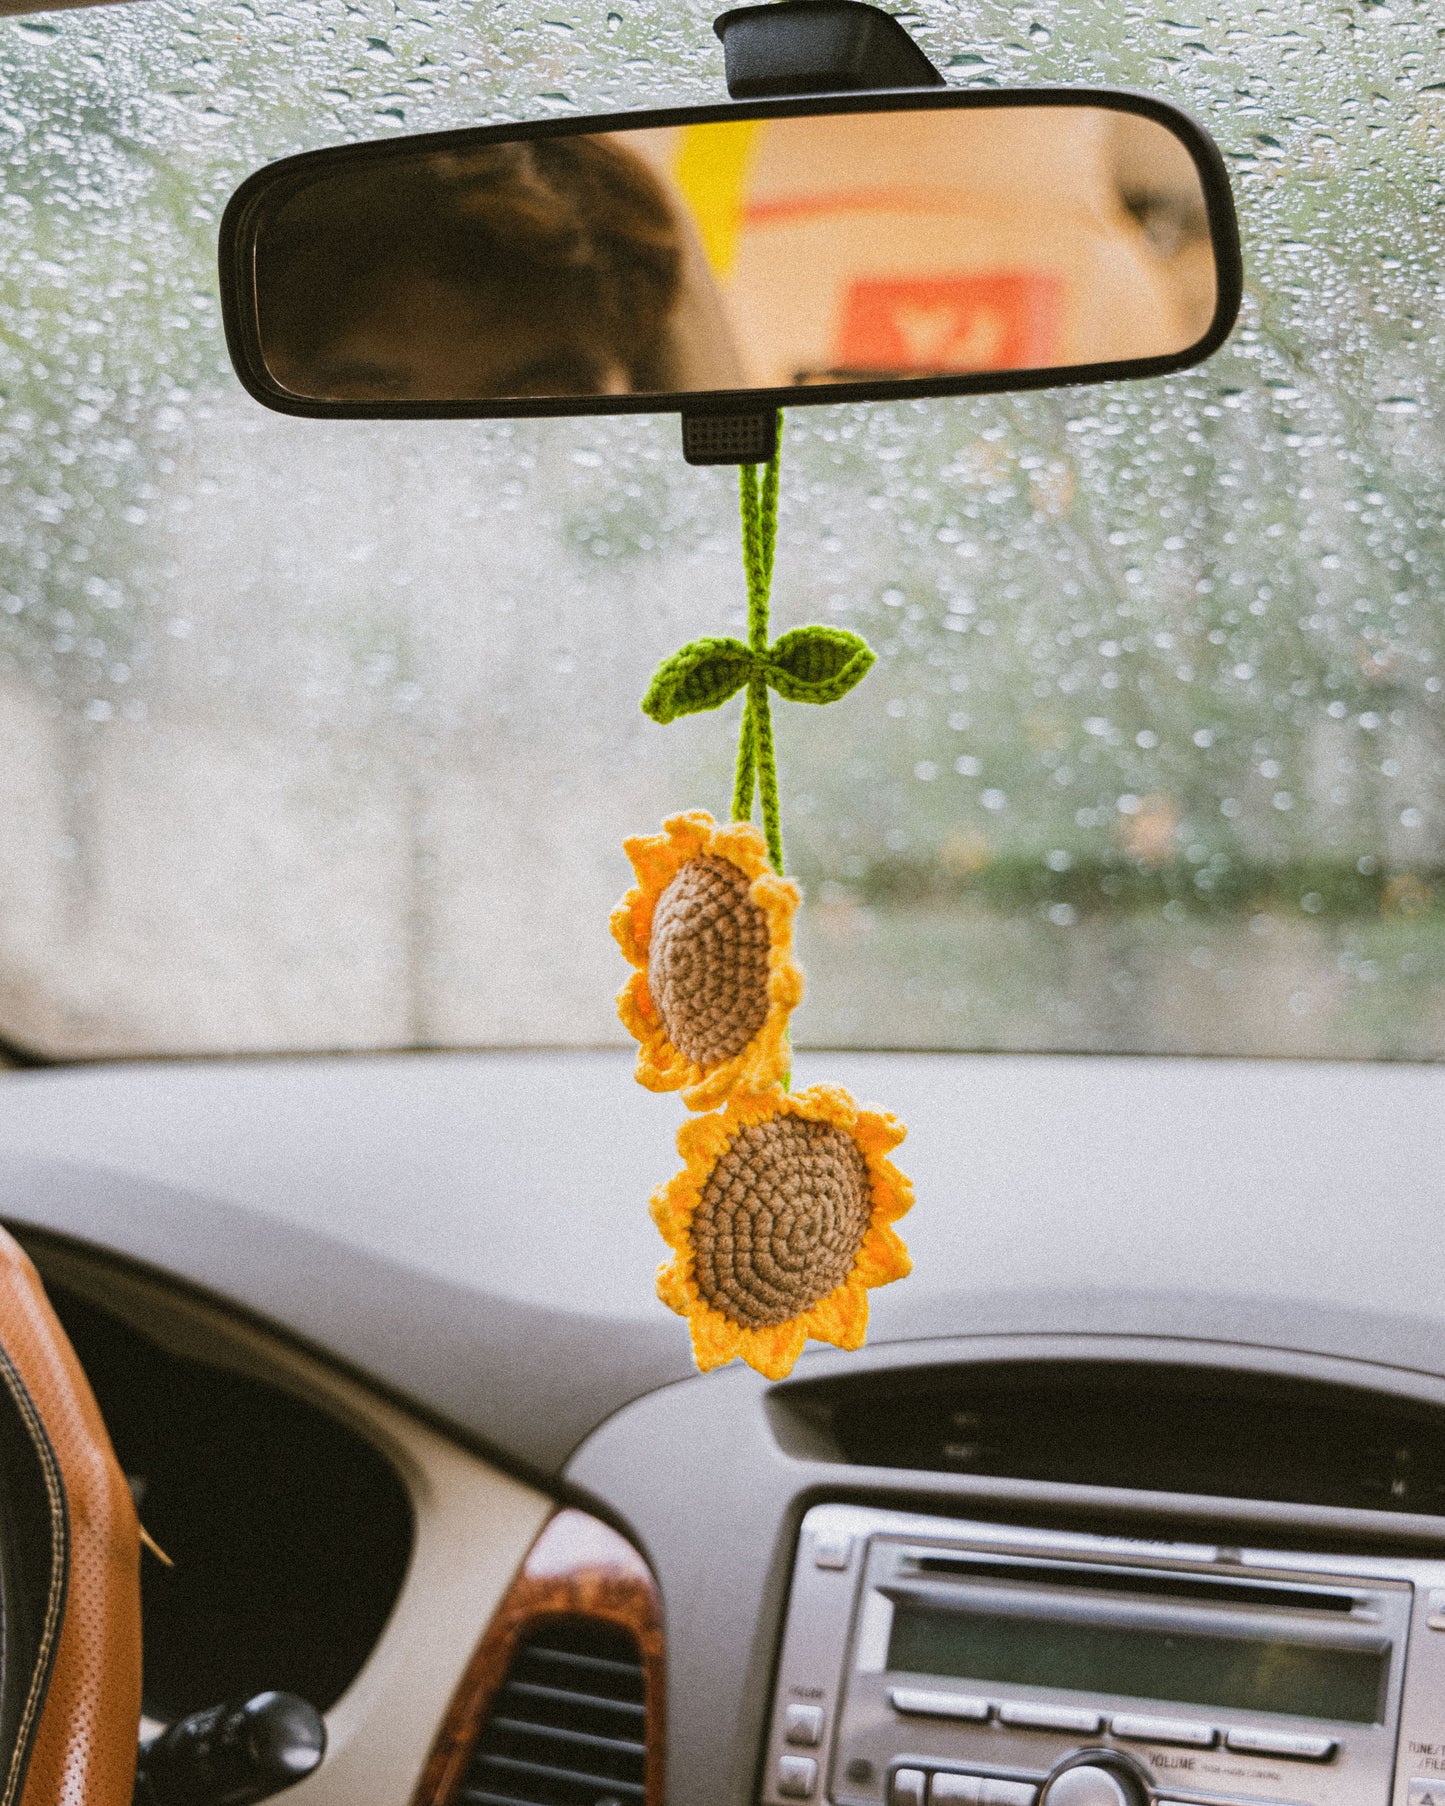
(388, 390)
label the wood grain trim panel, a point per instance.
(578, 1567)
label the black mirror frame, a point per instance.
(237, 229)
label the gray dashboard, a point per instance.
(470, 1231)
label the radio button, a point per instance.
(1135, 1727)
(803, 1726)
(955, 1790)
(832, 1551)
(918, 1702)
(1295, 1744)
(980, 1790)
(907, 1787)
(798, 1776)
(1035, 1715)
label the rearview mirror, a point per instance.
(917, 242)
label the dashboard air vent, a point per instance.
(568, 1726)
(1177, 1429)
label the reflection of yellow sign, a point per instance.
(713, 164)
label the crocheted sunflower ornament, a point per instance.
(781, 1219)
(779, 1222)
(710, 931)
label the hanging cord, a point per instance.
(814, 664)
(757, 761)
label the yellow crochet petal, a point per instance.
(842, 1317)
(892, 1192)
(715, 1341)
(774, 1351)
(715, 1089)
(775, 894)
(671, 1207)
(744, 845)
(828, 1103)
(636, 1008)
(689, 834)
(700, 1141)
(654, 1073)
(882, 1258)
(878, 1131)
(654, 860)
(785, 993)
(672, 1289)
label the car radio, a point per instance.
(932, 1662)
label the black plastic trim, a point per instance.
(818, 46)
(731, 438)
(237, 241)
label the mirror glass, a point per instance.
(749, 253)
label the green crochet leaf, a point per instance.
(700, 675)
(817, 664)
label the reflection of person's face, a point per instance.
(428, 340)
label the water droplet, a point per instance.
(1398, 404)
(379, 50)
(37, 28)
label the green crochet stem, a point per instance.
(807, 664)
(757, 762)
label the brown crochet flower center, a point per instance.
(782, 1218)
(707, 962)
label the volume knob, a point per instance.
(1091, 1786)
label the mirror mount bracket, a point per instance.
(734, 437)
(788, 48)
(778, 51)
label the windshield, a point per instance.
(325, 735)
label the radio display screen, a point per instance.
(1243, 1674)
